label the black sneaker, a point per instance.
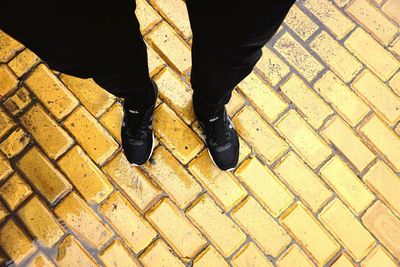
(222, 140)
(137, 134)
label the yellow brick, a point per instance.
(18, 101)
(171, 47)
(132, 181)
(383, 181)
(378, 257)
(259, 135)
(146, 16)
(384, 225)
(347, 229)
(345, 101)
(15, 143)
(344, 138)
(250, 256)
(302, 181)
(341, 3)
(294, 256)
(244, 150)
(303, 139)
(159, 254)
(15, 242)
(331, 17)
(395, 83)
(222, 185)
(172, 177)
(81, 219)
(98, 144)
(14, 191)
(264, 185)
(154, 61)
(271, 66)
(8, 81)
(378, 2)
(85, 176)
(51, 91)
(392, 10)
(3, 213)
(262, 97)
(217, 227)
(235, 103)
(127, 221)
(6, 123)
(9, 47)
(112, 120)
(380, 136)
(23, 62)
(310, 104)
(41, 222)
(209, 257)
(372, 19)
(53, 139)
(298, 56)
(40, 260)
(117, 254)
(309, 234)
(372, 54)
(378, 96)
(300, 23)
(176, 229)
(72, 254)
(175, 12)
(345, 65)
(5, 168)
(394, 47)
(347, 185)
(176, 136)
(267, 233)
(175, 93)
(42, 174)
(343, 261)
(94, 98)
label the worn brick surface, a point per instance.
(209, 257)
(82, 220)
(294, 256)
(23, 62)
(250, 255)
(15, 191)
(372, 54)
(318, 177)
(350, 106)
(41, 222)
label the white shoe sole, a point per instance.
(151, 153)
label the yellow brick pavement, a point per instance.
(319, 177)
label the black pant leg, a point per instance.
(98, 39)
(227, 44)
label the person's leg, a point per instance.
(227, 44)
(98, 39)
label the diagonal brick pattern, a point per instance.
(318, 182)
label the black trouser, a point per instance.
(101, 39)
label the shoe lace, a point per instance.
(219, 132)
(136, 127)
